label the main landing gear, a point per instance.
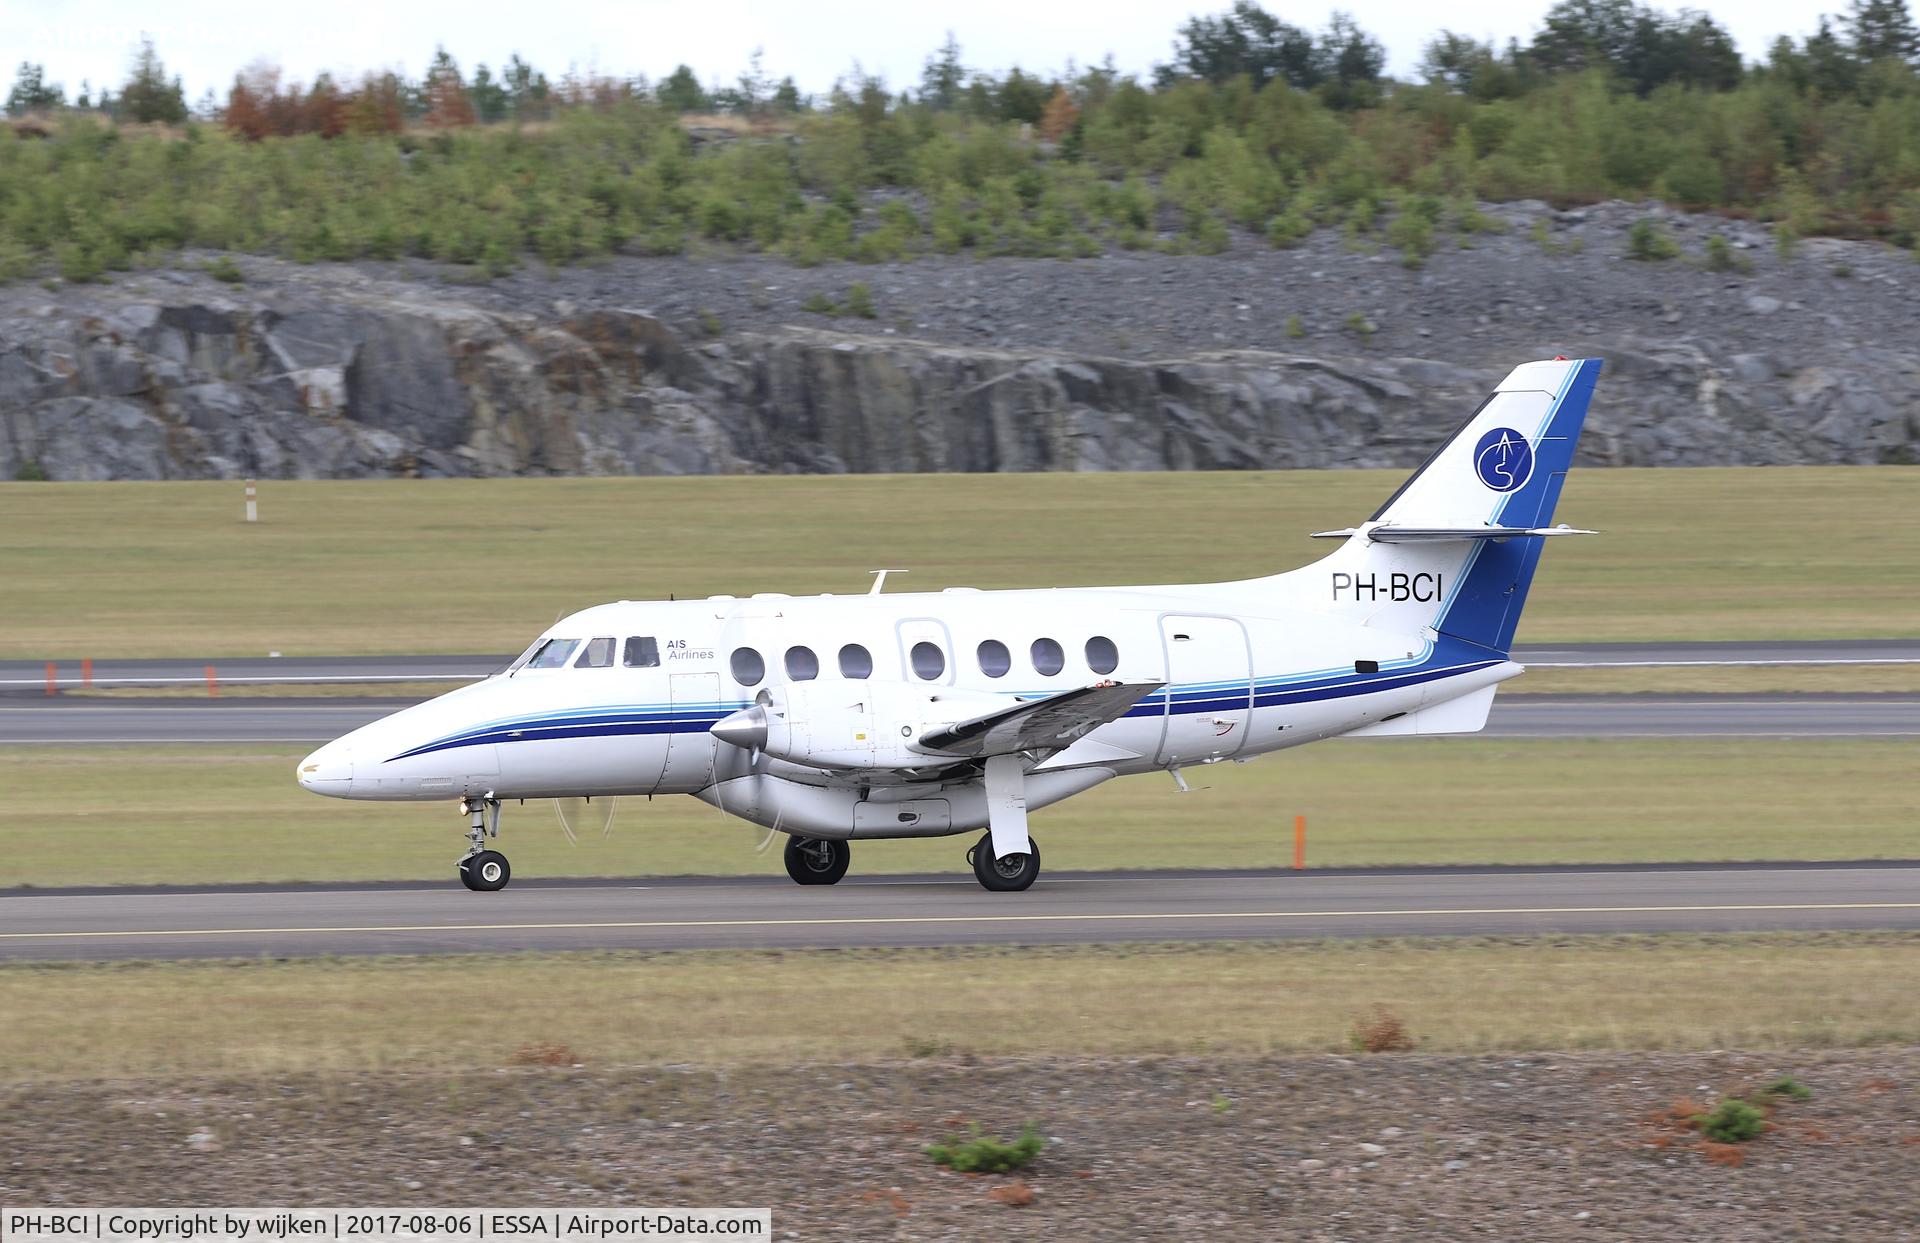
(481, 869)
(1010, 874)
(817, 861)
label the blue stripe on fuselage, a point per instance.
(1448, 660)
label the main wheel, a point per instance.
(485, 872)
(1008, 875)
(816, 860)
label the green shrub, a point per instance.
(859, 301)
(1648, 242)
(1732, 1121)
(1789, 1087)
(30, 471)
(1412, 232)
(1721, 258)
(225, 269)
(1295, 328)
(1290, 228)
(1359, 325)
(981, 1153)
(710, 323)
(820, 304)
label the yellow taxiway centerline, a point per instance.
(972, 919)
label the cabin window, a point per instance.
(553, 654)
(995, 660)
(1102, 655)
(642, 653)
(749, 668)
(802, 664)
(929, 662)
(599, 654)
(1048, 657)
(855, 661)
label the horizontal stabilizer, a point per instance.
(1435, 535)
(1040, 724)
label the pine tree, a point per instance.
(942, 78)
(446, 94)
(1881, 30)
(31, 91)
(682, 92)
(149, 95)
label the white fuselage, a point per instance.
(1243, 678)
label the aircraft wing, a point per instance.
(1040, 724)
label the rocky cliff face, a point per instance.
(176, 377)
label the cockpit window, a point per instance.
(599, 654)
(642, 653)
(553, 654)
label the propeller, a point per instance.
(583, 814)
(720, 805)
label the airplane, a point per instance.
(842, 718)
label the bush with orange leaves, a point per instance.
(259, 107)
(1061, 115)
(543, 1053)
(1382, 1031)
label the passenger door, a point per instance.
(1209, 688)
(690, 748)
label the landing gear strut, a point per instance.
(481, 869)
(817, 861)
(1008, 874)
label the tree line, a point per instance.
(1638, 47)
(1252, 126)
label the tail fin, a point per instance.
(1455, 548)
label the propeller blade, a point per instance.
(567, 810)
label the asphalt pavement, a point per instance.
(1066, 908)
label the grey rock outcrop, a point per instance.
(294, 381)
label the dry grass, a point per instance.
(204, 814)
(169, 569)
(735, 1007)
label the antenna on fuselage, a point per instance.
(880, 579)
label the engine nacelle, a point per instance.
(848, 725)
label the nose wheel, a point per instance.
(481, 869)
(485, 872)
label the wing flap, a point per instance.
(1039, 724)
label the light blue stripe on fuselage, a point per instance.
(1181, 700)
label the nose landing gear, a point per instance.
(481, 869)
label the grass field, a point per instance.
(483, 565)
(714, 1008)
(202, 814)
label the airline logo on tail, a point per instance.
(1503, 459)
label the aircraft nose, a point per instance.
(328, 771)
